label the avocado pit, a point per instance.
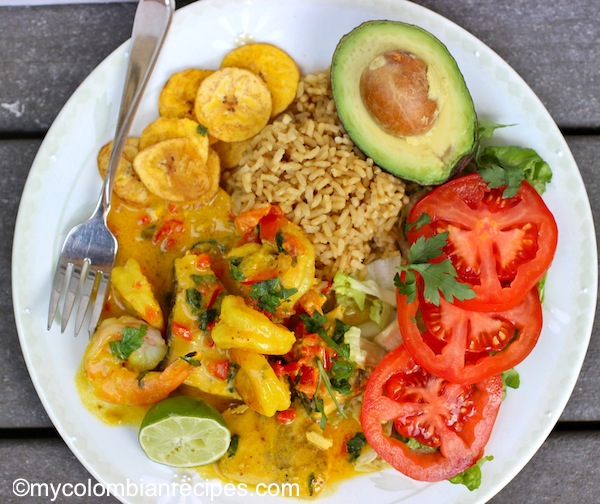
(395, 90)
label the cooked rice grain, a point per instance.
(305, 163)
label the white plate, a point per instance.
(62, 187)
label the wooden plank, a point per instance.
(34, 470)
(584, 404)
(46, 52)
(565, 470)
(551, 45)
(21, 406)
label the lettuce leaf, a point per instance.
(471, 477)
(510, 165)
(350, 288)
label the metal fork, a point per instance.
(89, 250)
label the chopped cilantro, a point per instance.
(132, 339)
(140, 379)
(508, 166)
(206, 318)
(232, 371)
(325, 377)
(190, 359)
(203, 279)
(279, 242)
(202, 130)
(147, 233)
(311, 484)
(194, 299)
(438, 277)
(234, 270)
(233, 445)
(270, 294)
(320, 408)
(339, 374)
(497, 176)
(355, 444)
(424, 218)
(316, 325)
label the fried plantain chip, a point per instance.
(128, 185)
(230, 153)
(271, 64)
(173, 170)
(234, 103)
(165, 128)
(178, 95)
(214, 173)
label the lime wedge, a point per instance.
(184, 431)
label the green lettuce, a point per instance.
(348, 289)
(510, 165)
(471, 477)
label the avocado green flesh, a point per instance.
(432, 157)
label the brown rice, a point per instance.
(305, 163)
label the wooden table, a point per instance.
(45, 53)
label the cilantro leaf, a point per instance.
(140, 379)
(415, 226)
(270, 294)
(315, 323)
(426, 249)
(340, 373)
(194, 299)
(355, 444)
(132, 339)
(233, 445)
(496, 176)
(438, 277)
(279, 239)
(206, 318)
(191, 359)
(518, 164)
(325, 377)
(441, 278)
(234, 269)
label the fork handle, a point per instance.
(150, 27)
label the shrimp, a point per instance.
(273, 251)
(120, 359)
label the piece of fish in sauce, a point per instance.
(270, 452)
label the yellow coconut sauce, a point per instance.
(275, 453)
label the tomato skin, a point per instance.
(455, 362)
(459, 449)
(501, 246)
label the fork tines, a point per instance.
(78, 281)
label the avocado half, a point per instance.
(403, 101)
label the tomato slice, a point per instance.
(466, 346)
(452, 421)
(501, 246)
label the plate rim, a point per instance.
(108, 62)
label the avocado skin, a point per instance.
(427, 159)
